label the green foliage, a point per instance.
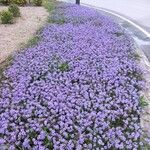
(19, 147)
(49, 5)
(37, 2)
(5, 2)
(48, 143)
(3, 67)
(63, 67)
(33, 134)
(46, 129)
(143, 102)
(14, 9)
(19, 2)
(135, 55)
(61, 20)
(6, 17)
(33, 41)
(145, 145)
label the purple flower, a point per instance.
(78, 88)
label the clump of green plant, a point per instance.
(60, 20)
(136, 56)
(5, 2)
(49, 5)
(48, 143)
(14, 9)
(33, 41)
(37, 2)
(6, 17)
(143, 102)
(64, 67)
(3, 67)
(144, 139)
(19, 2)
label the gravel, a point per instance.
(12, 36)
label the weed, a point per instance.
(33, 41)
(64, 67)
(143, 102)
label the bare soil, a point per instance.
(12, 36)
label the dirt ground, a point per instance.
(12, 36)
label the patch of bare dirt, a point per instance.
(14, 35)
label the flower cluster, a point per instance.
(78, 88)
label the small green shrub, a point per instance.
(33, 41)
(49, 5)
(19, 2)
(143, 102)
(3, 66)
(37, 2)
(14, 9)
(5, 2)
(57, 21)
(64, 67)
(136, 56)
(6, 17)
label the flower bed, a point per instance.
(78, 88)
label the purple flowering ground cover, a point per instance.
(77, 89)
